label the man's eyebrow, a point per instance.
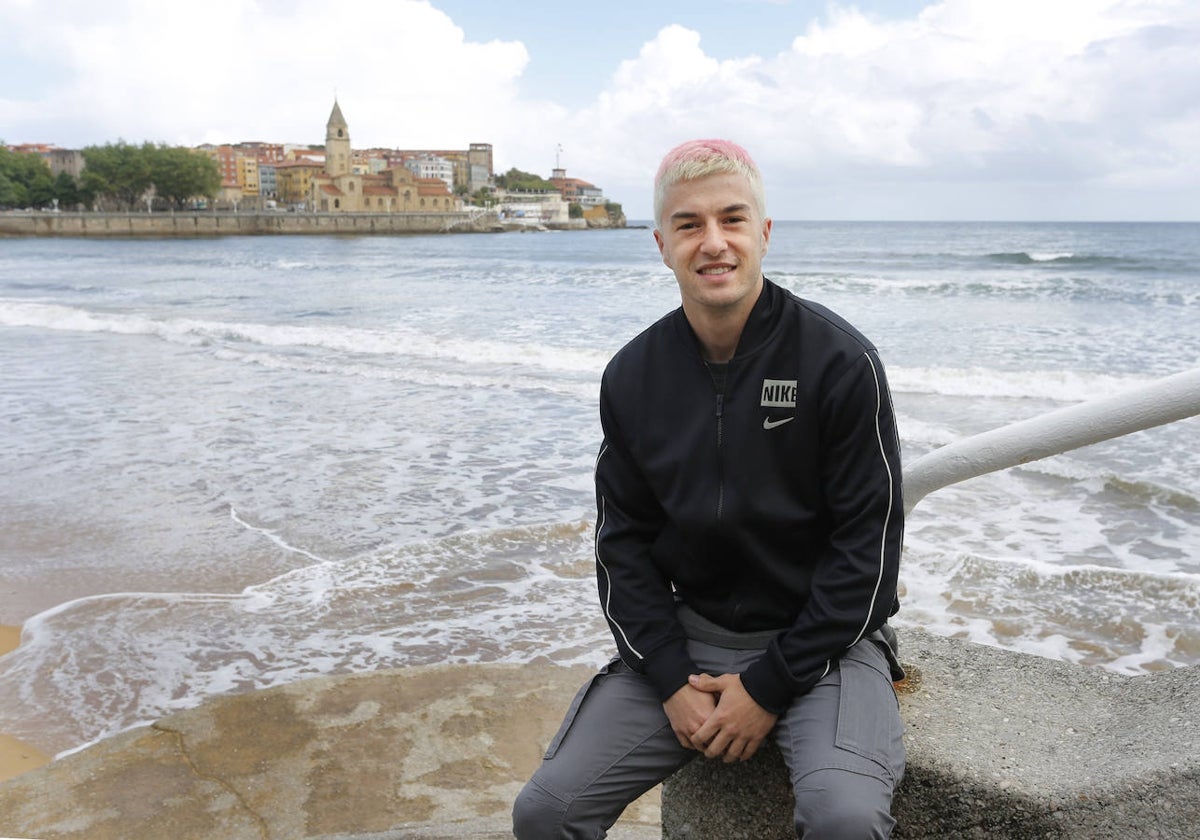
(732, 208)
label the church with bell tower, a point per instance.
(337, 144)
(339, 189)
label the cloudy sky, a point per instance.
(960, 109)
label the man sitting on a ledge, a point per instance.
(748, 532)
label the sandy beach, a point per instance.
(16, 757)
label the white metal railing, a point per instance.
(1154, 404)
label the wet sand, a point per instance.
(15, 756)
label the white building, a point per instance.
(533, 208)
(432, 166)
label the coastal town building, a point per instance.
(343, 188)
(238, 168)
(293, 180)
(248, 176)
(432, 166)
(226, 158)
(576, 191)
(470, 169)
(336, 178)
(69, 161)
(472, 166)
(268, 182)
(593, 206)
(533, 207)
(58, 159)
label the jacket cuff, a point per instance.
(669, 667)
(770, 684)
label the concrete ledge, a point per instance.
(1000, 745)
(206, 223)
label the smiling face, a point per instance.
(712, 235)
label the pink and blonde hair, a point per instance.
(700, 158)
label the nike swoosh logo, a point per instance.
(768, 423)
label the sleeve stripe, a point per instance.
(891, 496)
(608, 577)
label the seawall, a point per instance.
(206, 223)
(1000, 744)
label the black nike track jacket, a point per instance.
(773, 503)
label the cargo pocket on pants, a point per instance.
(569, 717)
(868, 711)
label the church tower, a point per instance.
(337, 144)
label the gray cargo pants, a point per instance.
(842, 742)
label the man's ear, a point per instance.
(662, 249)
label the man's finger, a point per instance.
(734, 752)
(750, 749)
(718, 745)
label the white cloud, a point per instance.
(231, 70)
(970, 107)
(968, 93)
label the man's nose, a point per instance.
(714, 239)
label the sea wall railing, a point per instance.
(1003, 744)
(1154, 404)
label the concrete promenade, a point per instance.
(431, 752)
(1001, 745)
(208, 223)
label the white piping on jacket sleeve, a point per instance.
(605, 604)
(891, 495)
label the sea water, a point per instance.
(231, 463)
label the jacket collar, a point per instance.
(759, 325)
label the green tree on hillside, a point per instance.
(66, 190)
(120, 171)
(25, 180)
(124, 172)
(180, 174)
(41, 187)
(8, 192)
(515, 179)
(483, 197)
(92, 187)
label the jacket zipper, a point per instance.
(720, 460)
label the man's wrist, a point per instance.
(767, 686)
(668, 669)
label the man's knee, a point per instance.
(537, 814)
(843, 805)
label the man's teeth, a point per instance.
(721, 269)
